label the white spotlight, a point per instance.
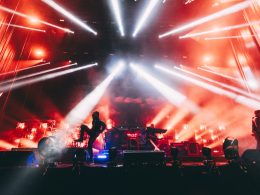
(36, 74)
(173, 96)
(118, 17)
(69, 15)
(233, 9)
(42, 78)
(79, 113)
(144, 17)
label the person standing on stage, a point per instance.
(256, 127)
(98, 127)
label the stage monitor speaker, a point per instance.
(68, 155)
(141, 158)
(251, 157)
(17, 158)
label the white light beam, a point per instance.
(118, 16)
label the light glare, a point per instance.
(118, 17)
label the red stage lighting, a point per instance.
(39, 53)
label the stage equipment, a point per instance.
(143, 158)
(187, 150)
(112, 154)
(225, 12)
(230, 149)
(18, 158)
(209, 162)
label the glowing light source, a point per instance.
(23, 27)
(238, 98)
(151, 5)
(43, 78)
(39, 53)
(173, 96)
(233, 9)
(31, 18)
(69, 15)
(227, 28)
(34, 20)
(20, 125)
(118, 17)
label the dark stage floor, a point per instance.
(99, 179)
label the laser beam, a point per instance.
(235, 89)
(36, 74)
(151, 5)
(69, 15)
(233, 9)
(238, 98)
(230, 37)
(22, 69)
(43, 78)
(118, 17)
(23, 27)
(32, 18)
(227, 28)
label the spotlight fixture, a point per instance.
(230, 149)
(206, 152)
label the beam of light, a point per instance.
(36, 74)
(42, 78)
(151, 5)
(78, 114)
(81, 111)
(220, 74)
(235, 89)
(250, 78)
(69, 15)
(181, 113)
(31, 18)
(23, 27)
(233, 9)
(227, 28)
(173, 96)
(163, 112)
(6, 145)
(20, 70)
(238, 98)
(118, 17)
(1, 93)
(231, 37)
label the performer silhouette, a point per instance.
(98, 127)
(256, 127)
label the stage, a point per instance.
(100, 179)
